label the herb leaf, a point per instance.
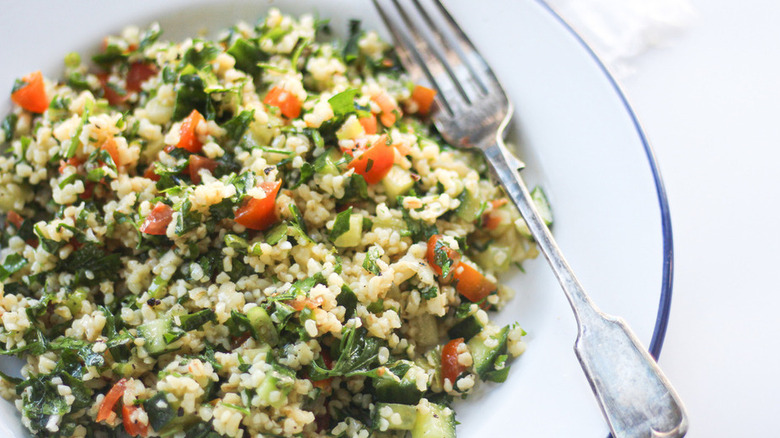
(369, 264)
(357, 356)
(341, 225)
(12, 264)
(344, 102)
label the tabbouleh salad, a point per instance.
(258, 235)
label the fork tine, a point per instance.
(477, 64)
(401, 49)
(464, 73)
(449, 95)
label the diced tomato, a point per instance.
(149, 173)
(500, 202)
(131, 427)
(239, 341)
(157, 221)
(89, 189)
(375, 162)
(196, 163)
(471, 283)
(114, 394)
(287, 102)
(324, 383)
(72, 161)
(301, 303)
(369, 124)
(493, 219)
(453, 255)
(358, 145)
(110, 146)
(450, 367)
(32, 96)
(259, 214)
(423, 97)
(322, 422)
(188, 136)
(388, 107)
(139, 73)
(14, 218)
(112, 95)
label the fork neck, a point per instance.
(506, 168)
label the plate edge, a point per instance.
(665, 301)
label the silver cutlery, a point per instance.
(471, 111)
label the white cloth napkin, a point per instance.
(621, 30)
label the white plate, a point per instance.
(576, 132)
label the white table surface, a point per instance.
(710, 105)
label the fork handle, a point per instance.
(635, 396)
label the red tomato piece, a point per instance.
(112, 397)
(139, 73)
(375, 162)
(450, 367)
(73, 161)
(196, 163)
(89, 189)
(369, 124)
(300, 303)
(133, 428)
(188, 136)
(110, 146)
(259, 214)
(157, 221)
(288, 103)
(388, 107)
(471, 283)
(112, 95)
(149, 173)
(14, 218)
(492, 219)
(324, 383)
(32, 96)
(423, 97)
(453, 255)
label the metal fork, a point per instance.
(471, 111)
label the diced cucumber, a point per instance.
(391, 223)
(471, 206)
(275, 387)
(353, 235)
(326, 163)
(467, 328)
(397, 182)
(428, 333)
(485, 356)
(542, 205)
(75, 299)
(158, 287)
(159, 410)
(500, 370)
(431, 361)
(495, 257)
(434, 421)
(351, 129)
(153, 333)
(235, 242)
(194, 321)
(394, 416)
(391, 389)
(123, 369)
(261, 321)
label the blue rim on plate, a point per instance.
(665, 303)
